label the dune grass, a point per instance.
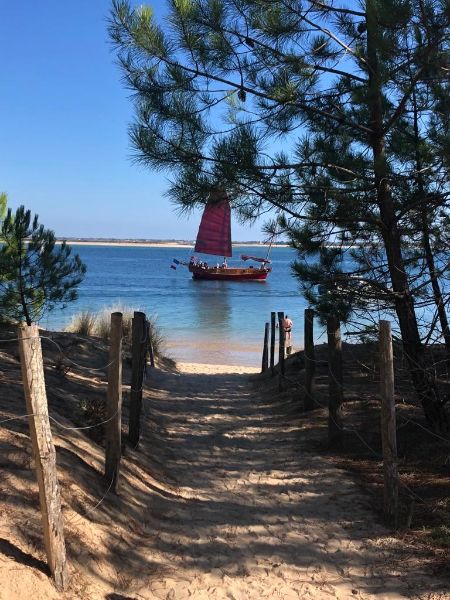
(90, 323)
(83, 323)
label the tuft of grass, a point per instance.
(441, 535)
(83, 323)
(156, 336)
(103, 324)
(98, 324)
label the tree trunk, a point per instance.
(26, 314)
(437, 294)
(429, 257)
(423, 381)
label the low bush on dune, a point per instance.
(88, 323)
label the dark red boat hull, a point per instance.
(229, 274)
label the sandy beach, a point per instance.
(155, 244)
(209, 369)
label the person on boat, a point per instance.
(224, 264)
(287, 327)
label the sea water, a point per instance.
(218, 322)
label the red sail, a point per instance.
(214, 233)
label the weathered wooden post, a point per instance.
(281, 350)
(335, 382)
(310, 360)
(43, 452)
(114, 404)
(138, 341)
(150, 346)
(265, 354)
(388, 424)
(272, 342)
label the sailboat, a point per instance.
(214, 238)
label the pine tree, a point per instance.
(297, 107)
(3, 204)
(36, 275)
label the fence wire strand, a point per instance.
(341, 427)
(61, 351)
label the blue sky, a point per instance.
(64, 113)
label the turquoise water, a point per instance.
(203, 321)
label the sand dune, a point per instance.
(226, 497)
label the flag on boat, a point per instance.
(178, 262)
(255, 258)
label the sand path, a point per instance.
(253, 514)
(224, 499)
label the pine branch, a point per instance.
(334, 9)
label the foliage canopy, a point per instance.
(330, 117)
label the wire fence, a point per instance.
(46, 416)
(376, 381)
(145, 340)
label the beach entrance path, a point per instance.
(247, 512)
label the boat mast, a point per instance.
(270, 246)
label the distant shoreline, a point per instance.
(153, 243)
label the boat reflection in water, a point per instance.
(212, 309)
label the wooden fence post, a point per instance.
(43, 451)
(265, 355)
(150, 346)
(310, 360)
(281, 350)
(139, 342)
(335, 382)
(113, 431)
(388, 424)
(272, 342)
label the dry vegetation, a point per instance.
(424, 457)
(97, 324)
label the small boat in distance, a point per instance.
(214, 238)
